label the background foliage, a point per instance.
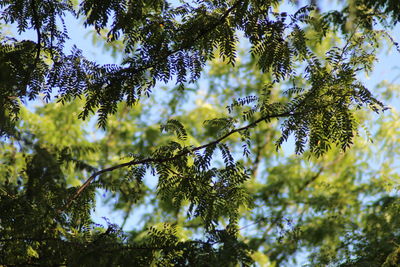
(192, 121)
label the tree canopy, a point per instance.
(190, 125)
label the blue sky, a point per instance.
(388, 68)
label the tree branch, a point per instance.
(162, 160)
(36, 25)
(201, 34)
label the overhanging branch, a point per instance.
(161, 160)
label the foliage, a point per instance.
(223, 196)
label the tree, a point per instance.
(223, 195)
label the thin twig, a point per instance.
(36, 25)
